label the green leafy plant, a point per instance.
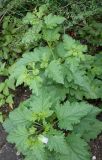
(5, 94)
(55, 59)
(10, 50)
(43, 129)
(10, 47)
(55, 122)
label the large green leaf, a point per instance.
(70, 114)
(71, 45)
(35, 84)
(30, 18)
(60, 50)
(41, 104)
(52, 155)
(43, 9)
(68, 42)
(19, 136)
(18, 117)
(94, 130)
(77, 149)
(89, 126)
(32, 35)
(52, 21)
(51, 35)
(57, 143)
(37, 152)
(37, 55)
(54, 71)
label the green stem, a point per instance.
(38, 124)
(51, 50)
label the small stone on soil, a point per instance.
(94, 158)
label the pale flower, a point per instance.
(43, 139)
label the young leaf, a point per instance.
(6, 91)
(21, 79)
(73, 47)
(42, 10)
(2, 85)
(9, 99)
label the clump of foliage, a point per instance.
(92, 33)
(43, 129)
(55, 122)
(55, 59)
(5, 95)
(74, 10)
(10, 45)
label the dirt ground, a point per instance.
(7, 151)
(96, 148)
